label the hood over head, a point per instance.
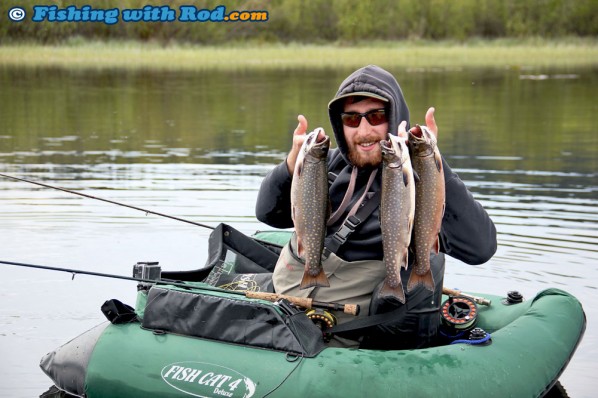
(369, 81)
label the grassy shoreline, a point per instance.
(529, 53)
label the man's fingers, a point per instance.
(298, 138)
(402, 132)
(431, 122)
(302, 126)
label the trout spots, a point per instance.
(396, 214)
(429, 204)
(310, 203)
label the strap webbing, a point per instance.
(336, 240)
(334, 217)
(366, 321)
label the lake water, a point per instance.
(197, 145)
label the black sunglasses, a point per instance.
(374, 117)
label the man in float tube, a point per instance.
(355, 268)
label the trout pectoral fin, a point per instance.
(310, 281)
(415, 280)
(438, 161)
(436, 246)
(300, 248)
(397, 292)
(405, 177)
(416, 177)
(405, 259)
(299, 167)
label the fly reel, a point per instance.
(322, 319)
(459, 313)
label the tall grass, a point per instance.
(403, 54)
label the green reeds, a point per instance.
(528, 53)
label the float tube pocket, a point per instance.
(230, 318)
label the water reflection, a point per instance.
(95, 117)
(196, 146)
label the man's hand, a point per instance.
(298, 138)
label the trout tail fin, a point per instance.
(310, 281)
(415, 280)
(395, 292)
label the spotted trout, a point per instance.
(310, 206)
(397, 210)
(429, 204)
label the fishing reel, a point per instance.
(323, 319)
(459, 314)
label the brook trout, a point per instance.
(429, 204)
(397, 210)
(310, 206)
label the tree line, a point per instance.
(320, 21)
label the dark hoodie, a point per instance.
(371, 80)
(467, 233)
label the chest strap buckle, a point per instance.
(341, 236)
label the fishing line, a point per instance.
(272, 297)
(286, 377)
(107, 200)
(74, 272)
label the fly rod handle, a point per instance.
(450, 292)
(478, 300)
(300, 301)
(351, 309)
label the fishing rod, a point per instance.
(100, 274)
(352, 309)
(478, 300)
(106, 200)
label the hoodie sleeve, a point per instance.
(273, 206)
(467, 232)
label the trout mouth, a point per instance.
(388, 151)
(416, 131)
(317, 138)
(320, 135)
